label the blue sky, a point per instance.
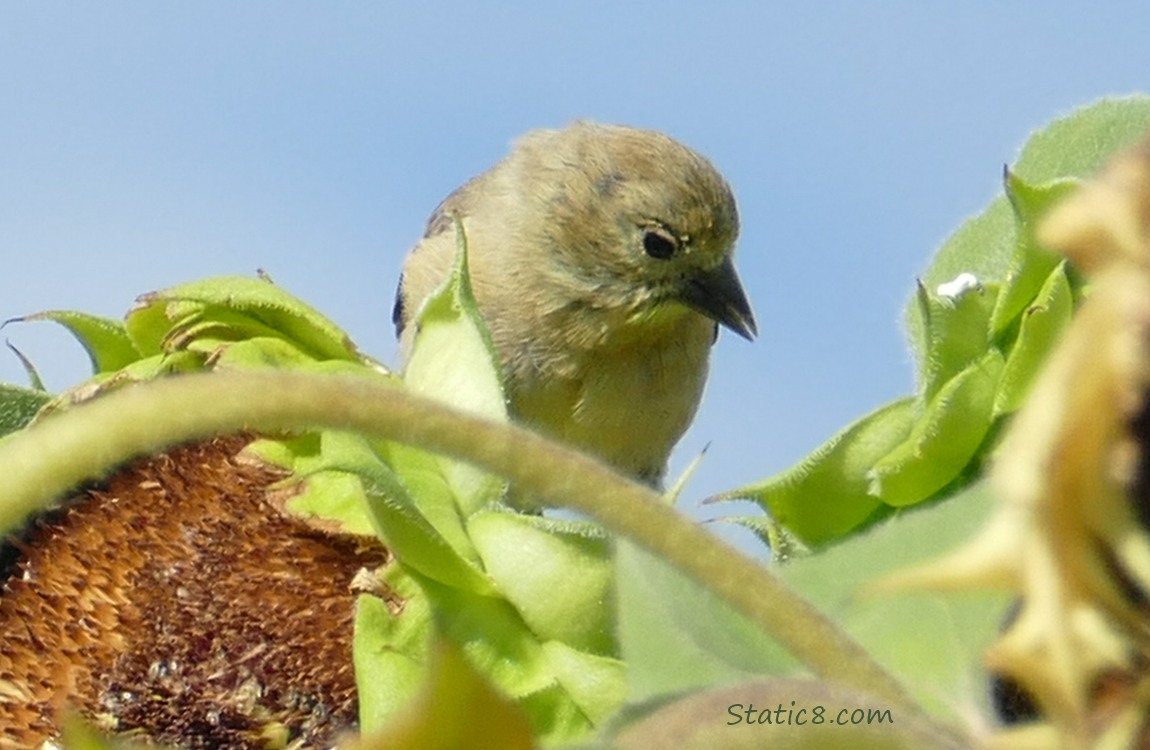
(147, 144)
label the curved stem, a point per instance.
(53, 455)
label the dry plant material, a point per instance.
(1071, 535)
(177, 604)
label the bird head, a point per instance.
(640, 224)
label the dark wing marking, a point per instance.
(455, 205)
(397, 311)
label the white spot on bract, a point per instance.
(959, 287)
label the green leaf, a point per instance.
(334, 495)
(783, 544)
(456, 708)
(597, 684)
(982, 246)
(675, 638)
(453, 361)
(344, 479)
(436, 545)
(419, 493)
(328, 470)
(557, 574)
(933, 641)
(957, 332)
(1031, 263)
(1077, 145)
(1043, 321)
(827, 494)
(421, 544)
(232, 299)
(203, 326)
(155, 366)
(34, 378)
(944, 440)
(106, 341)
(675, 634)
(390, 654)
(262, 351)
(18, 406)
(501, 646)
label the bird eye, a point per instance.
(658, 245)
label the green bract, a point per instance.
(981, 322)
(18, 406)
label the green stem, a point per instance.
(52, 456)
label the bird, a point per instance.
(601, 259)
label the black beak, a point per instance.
(719, 295)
